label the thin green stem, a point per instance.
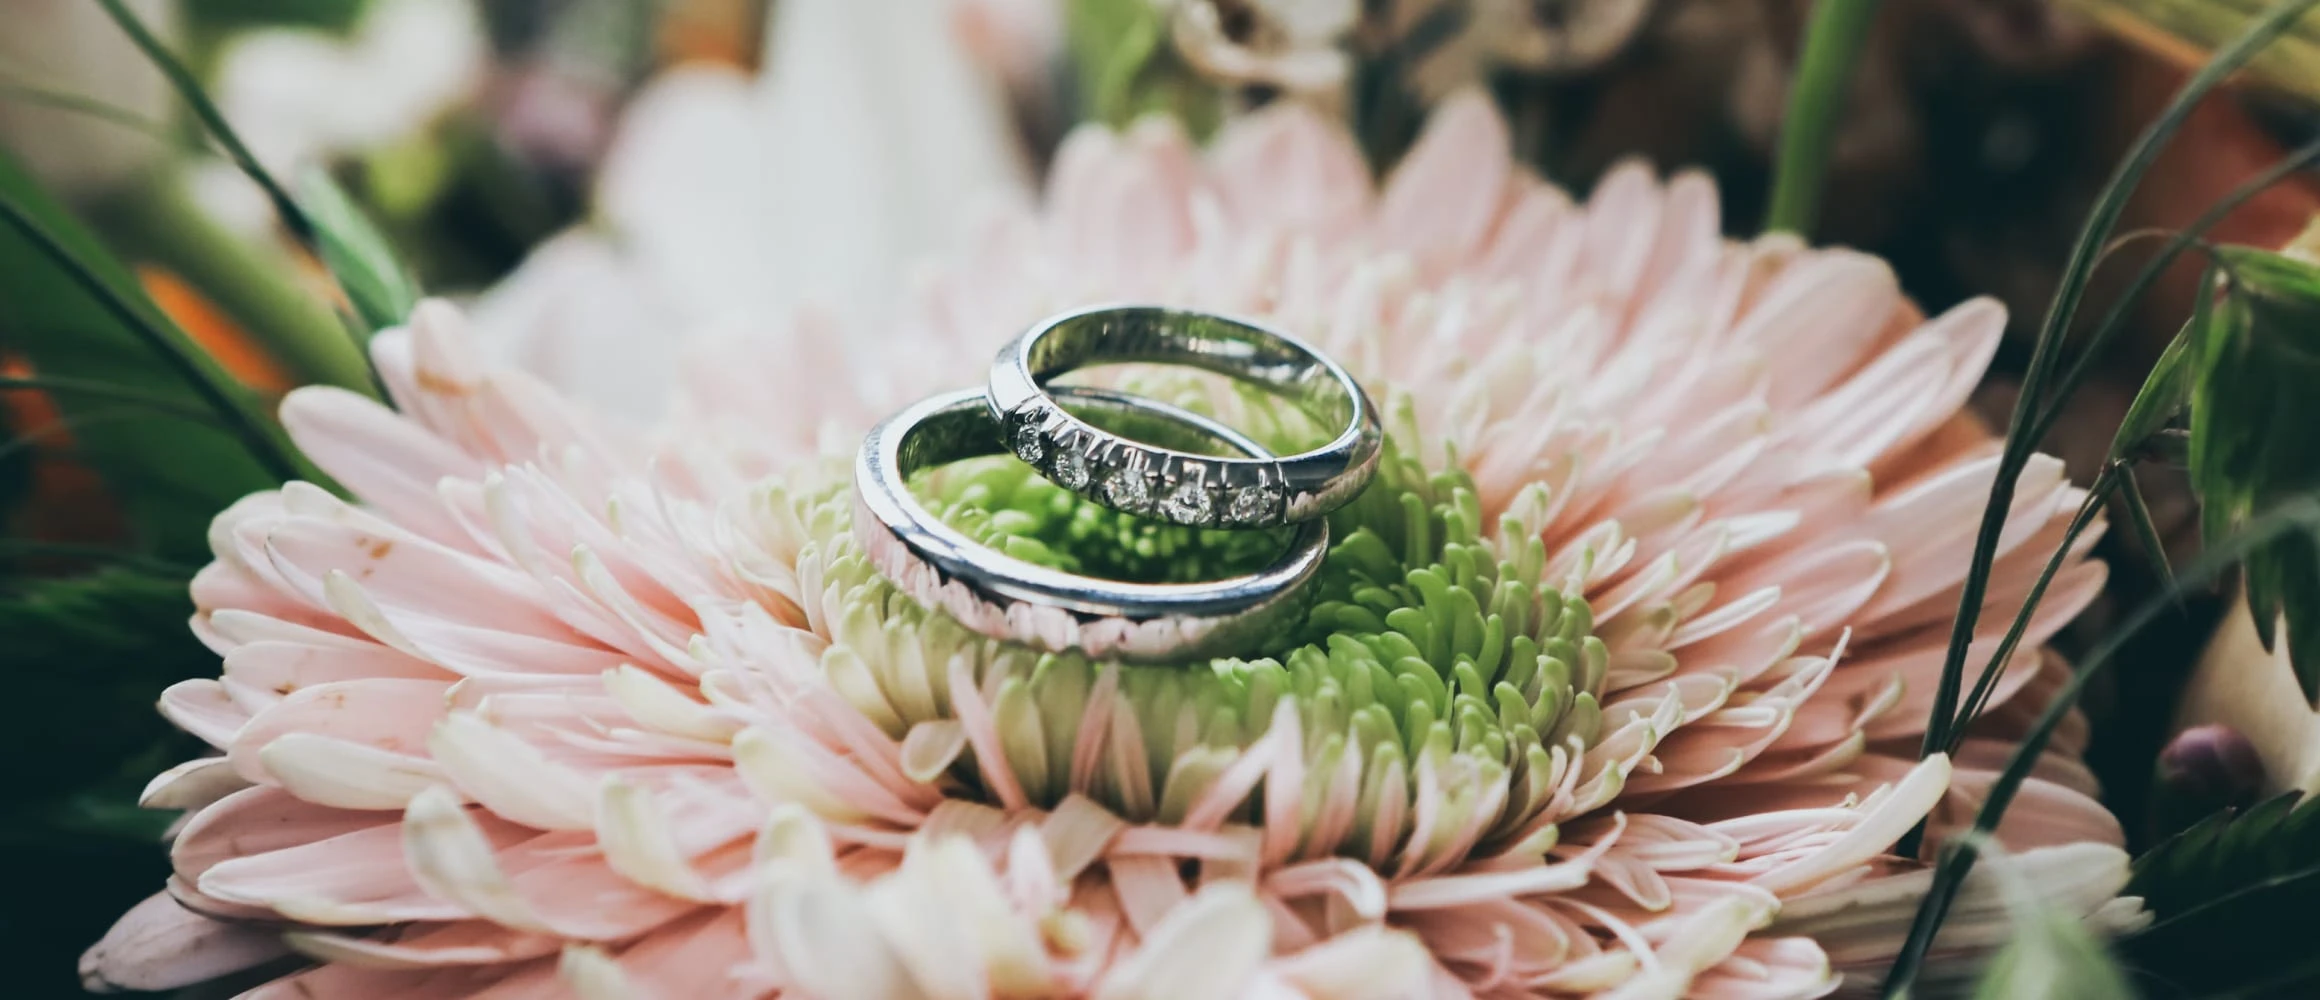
(2130, 495)
(28, 440)
(213, 121)
(105, 390)
(235, 414)
(1991, 671)
(16, 89)
(1958, 854)
(303, 349)
(1816, 101)
(2115, 320)
(2071, 289)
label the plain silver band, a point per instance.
(1153, 481)
(1007, 598)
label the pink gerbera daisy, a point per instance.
(1615, 687)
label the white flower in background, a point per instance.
(299, 96)
(871, 139)
(73, 48)
(2241, 685)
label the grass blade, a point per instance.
(323, 238)
(2072, 288)
(1957, 858)
(2138, 513)
(16, 89)
(106, 390)
(212, 121)
(235, 413)
(1988, 681)
(2114, 320)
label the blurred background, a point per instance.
(601, 179)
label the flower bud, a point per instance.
(2203, 770)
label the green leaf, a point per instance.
(171, 474)
(378, 286)
(2166, 391)
(2257, 359)
(87, 657)
(2220, 890)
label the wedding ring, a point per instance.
(1004, 597)
(1150, 480)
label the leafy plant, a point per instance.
(2220, 892)
(2258, 356)
(2025, 427)
(82, 321)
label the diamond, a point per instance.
(1029, 445)
(1188, 503)
(1251, 504)
(1071, 469)
(1126, 491)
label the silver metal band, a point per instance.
(1151, 480)
(1007, 598)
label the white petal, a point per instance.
(1209, 946)
(637, 842)
(450, 858)
(511, 776)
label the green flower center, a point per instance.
(1430, 648)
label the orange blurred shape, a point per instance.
(67, 502)
(723, 32)
(216, 334)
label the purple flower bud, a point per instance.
(2212, 764)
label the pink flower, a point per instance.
(1616, 687)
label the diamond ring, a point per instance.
(1008, 598)
(1153, 481)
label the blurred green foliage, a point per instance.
(169, 472)
(230, 15)
(1127, 67)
